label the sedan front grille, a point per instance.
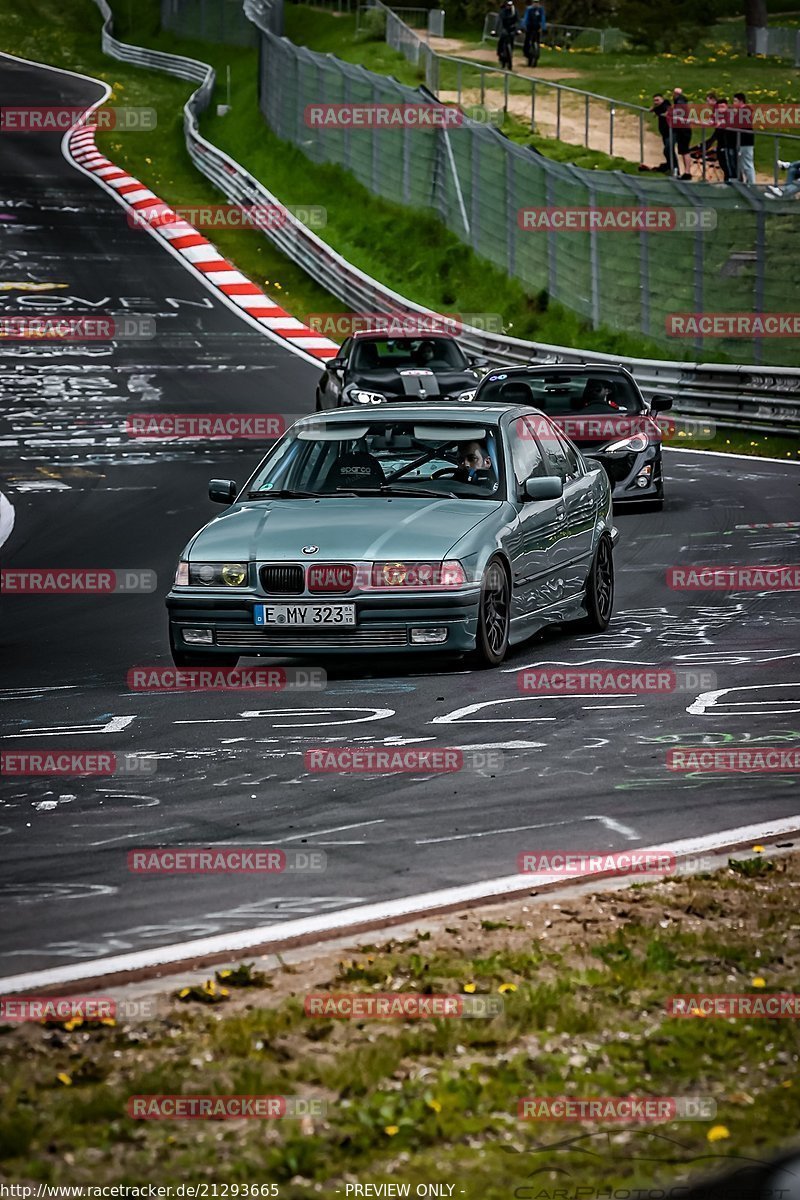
(283, 579)
(279, 639)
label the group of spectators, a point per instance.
(731, 144)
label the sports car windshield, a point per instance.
(583, 392)
(429, 353)
(389, 457)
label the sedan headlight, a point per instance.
(637, 443)
(210, 574)
(466, 396)
(360, 397)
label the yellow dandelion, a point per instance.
(470, 987)
(224, 974)
(759, 981)
(391, 1130)
(757, 849)
(73, 1024)
(786, 1083)
(107, 1021)
(224, 992)
(183, 992)
(507, 987)
(435, 1105)
(62, 1077)
(718, 1133)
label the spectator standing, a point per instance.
(723, 138)
(746, 139)
(534, 24)
(661, 108)
(682, 131)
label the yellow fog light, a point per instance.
(234, 574)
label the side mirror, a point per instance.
(660, 402)
(479, 361)
(544, 487)
(336, 364)
(222, 491)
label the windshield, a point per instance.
(428, 353)
(394, 457)
(559, 394)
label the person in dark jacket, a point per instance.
(534, 24)
(724, 139)
(661, 108)
(682, 131)
(506, 28)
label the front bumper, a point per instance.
(383, 624)
(624, 471)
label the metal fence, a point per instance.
(209, 21)
(772, 42)
(736, 397)
(480, 185)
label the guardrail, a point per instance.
(764, 400)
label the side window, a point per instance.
(555, 452)
(575, 466)
(345, 348)
(526, 456)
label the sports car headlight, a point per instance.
(465, 396)
(359, 397)
(229, 574)
(638, 442)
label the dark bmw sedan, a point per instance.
(603, 412)
(372, 368)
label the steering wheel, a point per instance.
(444, 473)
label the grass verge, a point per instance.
(584, 985)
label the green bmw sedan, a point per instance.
(407, 528)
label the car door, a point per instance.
(534, 541)
(574, 549)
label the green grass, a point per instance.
(584, 988)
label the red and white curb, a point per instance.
(234, 288)
(312, 931)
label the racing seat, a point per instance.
(356, 470)
(517, 393)
(368, 357)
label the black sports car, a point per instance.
(371, 368)
(602, 411)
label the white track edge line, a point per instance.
(389, 911)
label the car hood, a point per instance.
(416, 381)
(343, 528)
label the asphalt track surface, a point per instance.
(581, 773)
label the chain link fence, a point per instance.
(209, 21)
(480, 184)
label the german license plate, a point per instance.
(306, 616)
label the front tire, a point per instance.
(494, 616)
(599, 589)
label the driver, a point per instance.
(597, 391)
(426, 351)
(474, 459)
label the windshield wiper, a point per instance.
(415, 491)
(284, 494)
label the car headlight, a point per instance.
(466, 396)
(638, 442)
(209, 574)
(359, 397)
